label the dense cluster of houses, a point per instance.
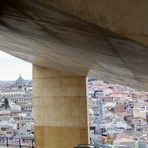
(125, 115)
(16, 118)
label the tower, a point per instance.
(99, 96)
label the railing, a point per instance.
(92, 146)
(15, 141)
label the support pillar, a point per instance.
(59, 108)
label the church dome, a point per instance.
(20, 81)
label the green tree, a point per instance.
(6, 103)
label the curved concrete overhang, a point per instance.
(43, 35)
(125, 17)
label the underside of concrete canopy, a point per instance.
(104, 39)
(67, 40)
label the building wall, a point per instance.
(139, 112)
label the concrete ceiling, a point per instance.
(43, 35)
(125, 17)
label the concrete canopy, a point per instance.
(41, 34)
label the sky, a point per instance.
(11, 67)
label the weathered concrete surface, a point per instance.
(125, 17)
(45, 36)
(60, 108)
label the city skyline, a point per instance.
(11, 67)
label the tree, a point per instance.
(6, 103)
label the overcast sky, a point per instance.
(11, 67)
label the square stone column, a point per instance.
(59, 108)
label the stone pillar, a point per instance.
(59, 108)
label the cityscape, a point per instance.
(16, 119)
(118, 115)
